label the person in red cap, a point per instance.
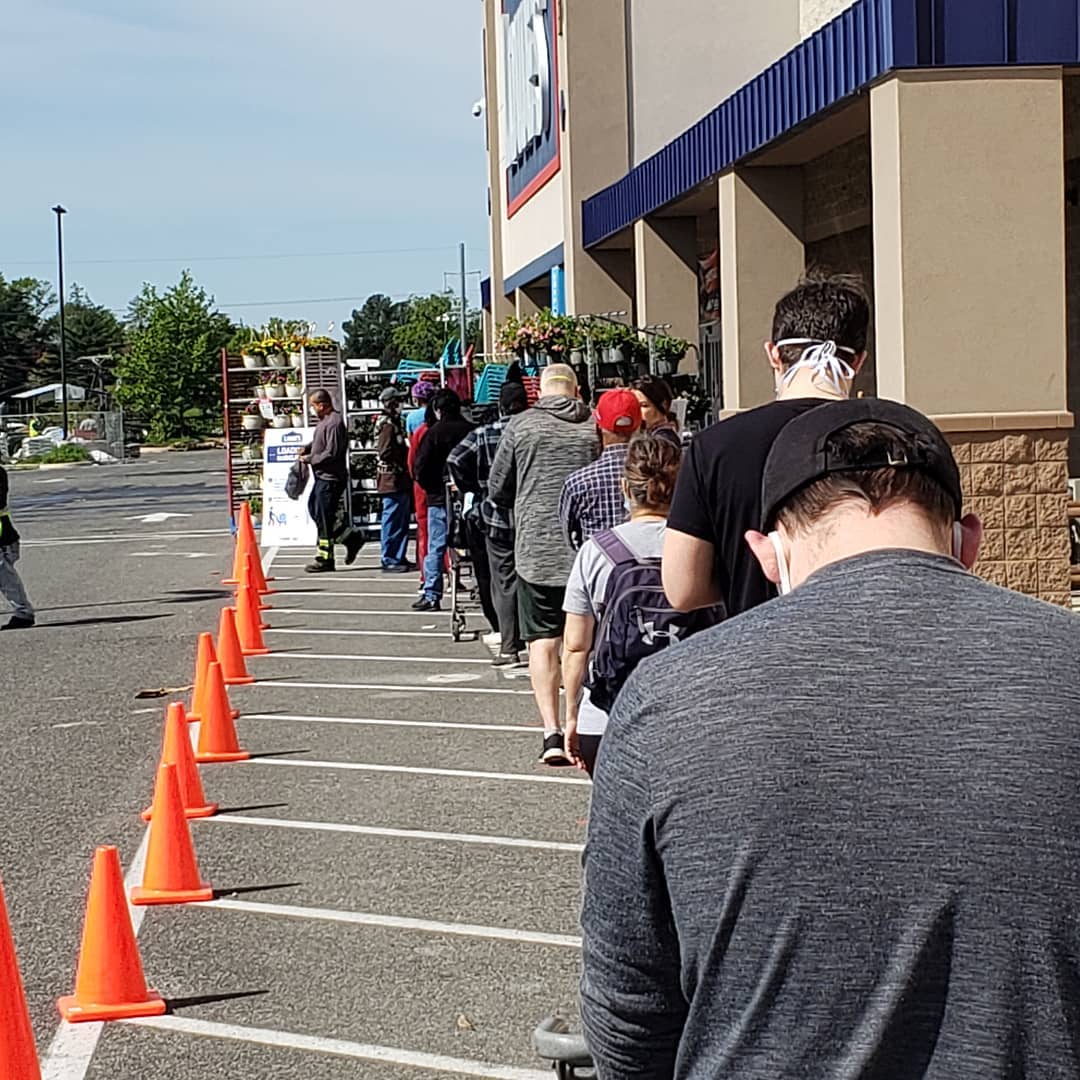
(592, 498)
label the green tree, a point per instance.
(429, 322)
(89, 330)
(171, 372)
(23, 304)
(370, 331)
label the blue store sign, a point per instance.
(531, 95)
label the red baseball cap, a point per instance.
(618, 412)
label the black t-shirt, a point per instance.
(718, 495)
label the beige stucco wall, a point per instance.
(688, 55)
(814, 14)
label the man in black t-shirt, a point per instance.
(818, 346)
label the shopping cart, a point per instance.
(565, 1049)
(464, 595)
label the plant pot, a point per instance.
(278, 359)
(577, 358)
(275, 391)
(250, 361)
(281, 420)
(252, 423)
(260, 392)
(297, 420)
(294, 391)
(369, 483)
(295, 359)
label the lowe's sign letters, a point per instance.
(530, 130)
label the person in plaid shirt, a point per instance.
(592, 498)
(490, 528)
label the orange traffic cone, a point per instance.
(217, 736)
(230, 655)
(248, 577)
(177, 751)
(18, 1056)
(172, 874)
(245, 536)
(248, 526)
(204, 657)
(110, 983)
(248, 626)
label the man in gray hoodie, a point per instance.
(539, 449)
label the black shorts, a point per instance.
(540, 610)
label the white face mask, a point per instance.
(782, 563)
(821, 359)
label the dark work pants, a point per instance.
(504, 592)
(326, 507)
(474, 537)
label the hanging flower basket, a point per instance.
(252, 422)
(251, 361)
(295, 359)
(298, 419)
(281, 420)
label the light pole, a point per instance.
(59, 211)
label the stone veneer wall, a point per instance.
(1017, 483)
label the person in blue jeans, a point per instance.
(393, 483)
(449, 429)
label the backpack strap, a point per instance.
(616, 551)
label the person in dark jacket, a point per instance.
(393, 482)
(328, 456)
(10, 583)
(449, 429)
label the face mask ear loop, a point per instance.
(823, 361)
(958, 542)
(782, 563)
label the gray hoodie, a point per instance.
(538, 450)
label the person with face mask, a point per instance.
(838, 835)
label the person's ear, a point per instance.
(765, 553)
(971, 532)
(776, 361)
(857, 363)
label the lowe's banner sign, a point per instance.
(531, 94)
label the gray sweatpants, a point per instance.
(11, 584)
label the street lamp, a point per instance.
(59, 211)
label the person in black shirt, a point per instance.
(429, 471)
(818, 345)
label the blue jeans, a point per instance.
(436, 552)
(395, 527)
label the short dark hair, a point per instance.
(823, 307)
(321, 397)
(878, 488)
(656, 390)
(446, 401)
(512, 398)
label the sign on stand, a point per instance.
(285, 521)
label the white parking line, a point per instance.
(396, 834)
(414, 770)
(401, 659)
(359, 611)
(400, 594)
(529, 729)
(424, 689)
(386, 1055)
(397, 922)
(361, 633)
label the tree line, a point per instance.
(162, 360)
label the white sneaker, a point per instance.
(494, 638)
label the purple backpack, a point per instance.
(637, 621)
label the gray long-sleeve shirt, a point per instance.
(838, 837)
(538, 450)
(329, 453)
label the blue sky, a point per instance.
(206, 129)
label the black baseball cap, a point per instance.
(800, 454)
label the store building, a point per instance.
(686, 161)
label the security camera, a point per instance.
(478, 109)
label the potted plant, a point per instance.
(246, 342)
(297, 416)
(669, 352)
(260, 390)
(275, 385)
(294, 384)
(251, 452)
(276, 353)
(281, 419)
(366, 470)
(252, 419)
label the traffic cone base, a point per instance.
(257, 652)
(209, 757)
(75, 1012)
(109, 984)
(172, 873)
(209, 810)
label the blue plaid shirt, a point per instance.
(592, 498)
(470, 466)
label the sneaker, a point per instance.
(319, 567)
(553, 753)
(507, 659)
(424, 604)
(353, 544)
(396, 568)
(18, 622)
(494, 638)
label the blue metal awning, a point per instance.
(863, 43)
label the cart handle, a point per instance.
(554, 1041)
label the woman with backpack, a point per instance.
(616, 611)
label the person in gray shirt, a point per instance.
(838, 836)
